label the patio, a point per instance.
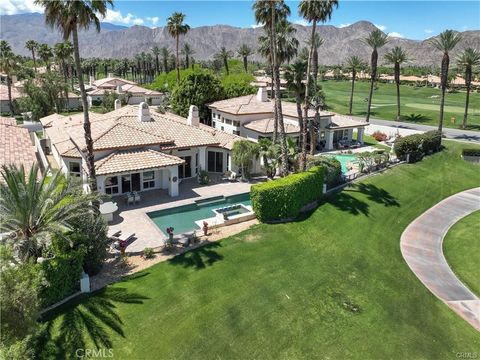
(133, 218)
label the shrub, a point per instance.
(379, 136)
(417, 145)
(283, 198)
(148, 253)
(471, 152)
(431, 141)
(333, 168)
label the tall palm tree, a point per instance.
(187, 51)
(269, 13)
(224, 55)
(46, 54)
(317, 42)
(376, 39)
(8, 65)
(156, 51)
(313, 11)
(244, 51)
(397, 56)
(468, 60)
(165, 55)
(63, 52)
(69, 16)
(353, 65)
(36, 207)
(176, 27)
(32, 46)
(445, 42)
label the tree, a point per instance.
(8, 65)
(445, 42)
(32, 46)
(70, 16)
(317, 42)
(176, 27)
(243, 152)
(314, 12)
(375, 40)
(468, 60)
(269, 152)
(165, 56)
(63, 53)
(187, 51)
(224, 55)
(156, 51)
(353, 65)
(397, 56)
(235, 85)
(244, 51)
(46, 54)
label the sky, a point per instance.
(410, 19)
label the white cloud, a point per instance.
(381, 27)
(344, 25)
(395, 34)
(254, 26)
(301, 22)
(116, 17)
(154, 20)
(12, 7)
(428, 31)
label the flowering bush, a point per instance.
(379, 136)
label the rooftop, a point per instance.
(16, 147)
(266, 126)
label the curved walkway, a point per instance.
(421, 247)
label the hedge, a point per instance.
(417, 145)
(283, 198)
(471, 152)
(332, 168)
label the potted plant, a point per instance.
(170, 234)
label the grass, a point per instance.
(461, 245)
(417, 106)
(332, 285)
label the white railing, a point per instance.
(40, 152)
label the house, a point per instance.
(4, 100)
(251, 117)
(136, 149)
(129, 92)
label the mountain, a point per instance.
(116, 41)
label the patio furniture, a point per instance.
(130, 199)
(107, 209)
(136, 198)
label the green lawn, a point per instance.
(462, 250)
(332, 285)
(415, 101)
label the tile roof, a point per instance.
(112, 82)
(266, 126)
(134, 160)
(7, 120)
(16, 147)
(340, 121)
(16, 94)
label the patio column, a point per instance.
(360, 132)
(202, 158)
(329, 140)
(173, 181)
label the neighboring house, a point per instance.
(4, 102)
(129, 92)
(137, 149)
(252, 116)
(16, 146)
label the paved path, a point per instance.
(421, 247)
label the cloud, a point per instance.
(344, 25)
(395, 34)
(381, 27)
(12, 7)
(254, 26)
(154, 20)
(428, 31)
(301, 22)
(116, 17)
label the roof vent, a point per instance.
(143, 112)
(262, 94)
(193, 117)
(118, 104)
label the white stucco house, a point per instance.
(252, 117)
(137, 149)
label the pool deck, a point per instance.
(133, 218)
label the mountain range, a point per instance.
(115, 41)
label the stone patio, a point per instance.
(133, 218)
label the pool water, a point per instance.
(182, 218)
(344, 160)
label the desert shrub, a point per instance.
(148, 253)
(333, 168)
(283, 198)
(379, 136)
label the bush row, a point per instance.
(283, 198)
(471, 152)
(417, 145)
(332, 168)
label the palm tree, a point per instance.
(313, 11)
(36, 207)
(397, 56)
(244, 51)
(45, 52)
(468, 60)
(375, 40)
(445, 42)
(354, 64)
(32, 46)
(9, 65)
(317, 42)
(156, 52)
(68, 16)
(176, 27)
(165, 55)
(268, 13)
(224, 55)
(63, 52)
(269, 152)
(187, 51)
(294, 75)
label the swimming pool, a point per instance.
(344, 160)
(182, 218)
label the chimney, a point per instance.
(91, 80)
(193, 118)
(118, 104)
(119, 89)
(143, 112)
(110, 75)
(262, 94)
(14, 79)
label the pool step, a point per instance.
(209, 201)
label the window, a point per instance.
(228, 121)
(236, 132)
(148, 179)
(74, 169)
(236, 123)
(111, 185)
(222, 128)
(196, 163)
(215, 161)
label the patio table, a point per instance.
(107, 209)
